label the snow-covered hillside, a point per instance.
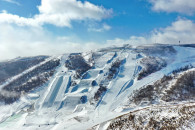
(92, 90)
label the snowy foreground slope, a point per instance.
(144, 87)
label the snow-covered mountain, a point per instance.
(143, 87)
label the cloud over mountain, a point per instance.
(181, 29)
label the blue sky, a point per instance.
(130, 17)
(92, 23)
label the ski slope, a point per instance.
(58, 105)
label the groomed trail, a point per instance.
(116, 87)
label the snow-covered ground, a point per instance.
(58, 104)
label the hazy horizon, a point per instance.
(47, 27)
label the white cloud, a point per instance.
(59, 13)
(104, 27)
(181, 30)
(180, 6)
(31, 41)
(13, 2)
(22, 36)
(28, 41)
